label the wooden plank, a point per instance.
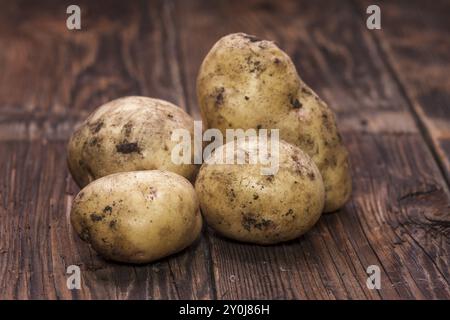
(37, 243)
(414, 39)
(398, 216)
(51, 79)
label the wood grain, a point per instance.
(382, 225)
(398, 217)
(52, 79)
(415, 43)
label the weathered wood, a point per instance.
(51, 79)
(416, 44)
(399, 214)
(397, 184)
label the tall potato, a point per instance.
(241, 203)
(127, 134)
(138, 216)
(245, 82)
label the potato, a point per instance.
(128, 134)
(245, 82)
(242, 204)
(138, 216)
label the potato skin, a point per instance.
(242, 204)
(245, 82)
(137, 217)
(128, 134)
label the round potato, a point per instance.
(245, 82)
(128, 134)
(241, 203)
(138, 216)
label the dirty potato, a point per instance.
(138, 216)
(245, 82)
(241, 203)
(127, 134)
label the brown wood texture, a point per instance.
(420, 57)
(388, 88)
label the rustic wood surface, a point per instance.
(389, 88)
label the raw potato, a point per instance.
(128, 134)
(138, 216)
(245, 82)
(242, 204)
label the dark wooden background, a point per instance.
(390, 89)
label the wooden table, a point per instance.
(390, 89)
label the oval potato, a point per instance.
(128, 134)
(138, 216)
(245, 82)
(241, 203)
